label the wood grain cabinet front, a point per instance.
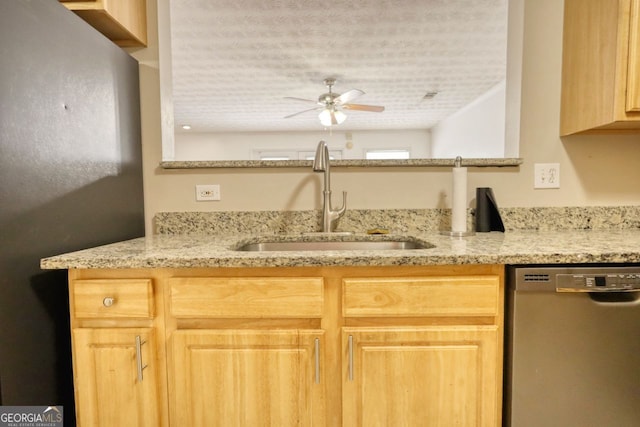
(437, 296)
(116, 377)
(113, 299)
(117, 334)
(422, 350)
(246, 297)
(247, 351)
(413, 376)
(600, 67)
(300, 346)
(247, 378)
(122, 21)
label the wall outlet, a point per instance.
(207, 192)
(546, 175)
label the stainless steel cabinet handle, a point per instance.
(317, 351)
(140, 367)
(350, 357)
(108, 301)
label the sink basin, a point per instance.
(341, 245)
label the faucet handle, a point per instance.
(331, 215)
(343, 209)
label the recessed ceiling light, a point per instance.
(186, 127)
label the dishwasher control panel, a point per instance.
(598, 282)
(567, 278)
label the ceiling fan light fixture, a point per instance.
(330, 117)
(331, 105)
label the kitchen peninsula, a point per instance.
(513, 247)
(193, 331)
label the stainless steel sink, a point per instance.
(367, 245)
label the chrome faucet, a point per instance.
(321, 164)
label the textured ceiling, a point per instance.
(235, 61)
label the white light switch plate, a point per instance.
(546, 175)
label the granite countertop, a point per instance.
(511, 247)
(478, 162)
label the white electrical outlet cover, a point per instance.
(207, 192)
(546, 175)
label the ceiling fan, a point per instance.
(331, 104)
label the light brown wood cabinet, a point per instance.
(600, 67)
(305, 346)
(117, 345)
(244, 353)
(434, 376)
(116, 380)
(422, 350)
(122, 21)
(247, 378)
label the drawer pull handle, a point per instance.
(108, 301)
(139, 364)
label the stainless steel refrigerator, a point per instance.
(70, 178)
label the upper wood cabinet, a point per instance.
(600, 67)
(122, 21)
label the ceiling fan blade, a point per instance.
(303, 111)
(360, 107)
(348, 96)
(334, 121)
(302, 99)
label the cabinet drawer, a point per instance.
(113, 298)
(253, 297)
(421, 296)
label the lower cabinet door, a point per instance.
(247, 378)
(423, 376)
(116, 377)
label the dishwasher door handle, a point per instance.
(617, 297)
(598, 290)
(620, 299)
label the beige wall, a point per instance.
(595, 170)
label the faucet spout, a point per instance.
(321, 159)
(330, 216)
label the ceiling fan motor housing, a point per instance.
(328, 98)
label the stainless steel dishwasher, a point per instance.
(572, 346)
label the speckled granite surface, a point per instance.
(396, 220)
(518, 247)
(276, 222)
(534, 236)
(199, 164)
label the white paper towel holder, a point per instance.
(457, 164)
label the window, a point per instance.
(275, 155)
(381, 154)
(310, 155)
(293, 155)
